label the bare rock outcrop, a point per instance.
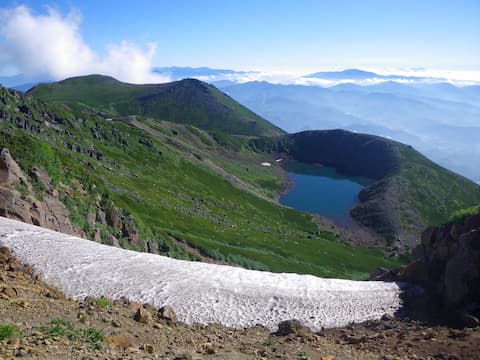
(17, 201)
(447, 265)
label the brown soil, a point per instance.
(31, 305)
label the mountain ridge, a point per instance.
(186, 101)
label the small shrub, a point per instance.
(60, 327)
(22, 189)
(103, 303)
(94, 337)
(270, 342)
(8, 331)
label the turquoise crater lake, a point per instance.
(322, 190)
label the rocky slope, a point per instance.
(18, 201)
(49, 212)
(39, 322)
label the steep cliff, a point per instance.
(17, 200)
(447, 265)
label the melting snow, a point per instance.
(199, 292)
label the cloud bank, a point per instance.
(51, 45)
(418, 77)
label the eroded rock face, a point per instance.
(450, 255)
(447, 265)
(17, 203)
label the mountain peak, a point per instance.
(188, 101)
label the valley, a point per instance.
(141, 183)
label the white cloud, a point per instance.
(455, 77)
(423, 76)
(274, 77)
(51, 45)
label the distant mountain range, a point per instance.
(356, 74)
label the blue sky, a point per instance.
(283, 35)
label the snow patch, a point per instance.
(199, 292)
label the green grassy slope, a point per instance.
(187, 101)
(419, 193)
(441, 193)
(178, 182)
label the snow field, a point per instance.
(199, 292)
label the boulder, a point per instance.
(91, 216)
(152, 247)
(112, 240)
(142, 315)
(114, 218)
(4, 255)
(130, 231)
(101, 217)
(291, 327)
(167, 313)
(97, 236)
(10, 172)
